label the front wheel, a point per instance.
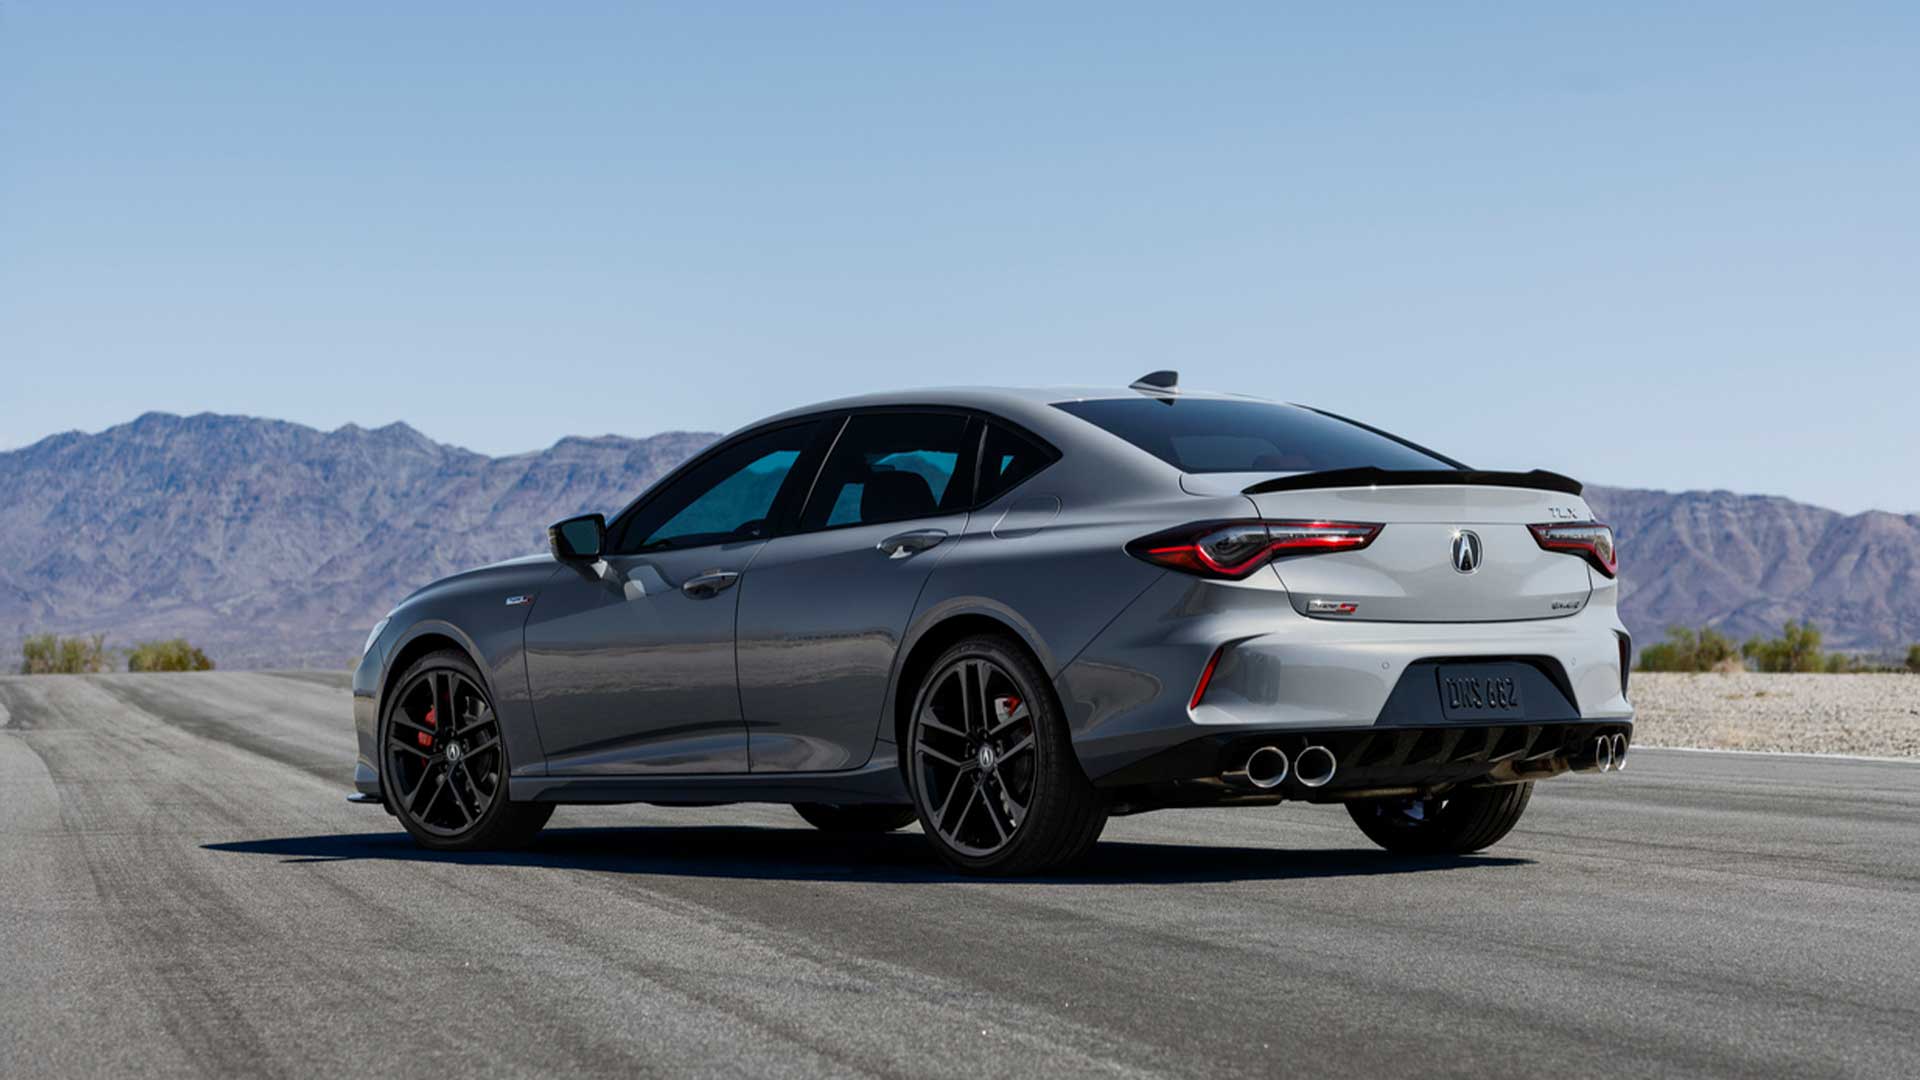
(1454, 824)
(993, 773)
(444, 761)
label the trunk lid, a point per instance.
(1411, 573)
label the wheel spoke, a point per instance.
(459, 799)
(481, 748)
(940, 815)
(927, 751)
(929, 719)
(421, 813)
(1017, 748)
(973, 796)
(442, 684)
(408, 748)
(970, 697)
(991, 804)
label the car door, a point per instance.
(822, 611)
(630, 659)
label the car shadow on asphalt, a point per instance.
(772, 854)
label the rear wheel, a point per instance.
(1453, 824)
(831, 817)
(994, 777)
(444, 761)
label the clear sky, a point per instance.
(1670, 246)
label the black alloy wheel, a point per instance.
(994, 777)
(444, 761)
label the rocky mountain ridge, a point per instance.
(269, 543)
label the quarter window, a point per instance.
(1005, 460)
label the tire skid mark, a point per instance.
(181, 716)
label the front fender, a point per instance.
(468, 612)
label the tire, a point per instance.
(861, 818)
(1458, 824)
(422, 761)
(1025, 805)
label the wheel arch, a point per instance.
(422, 640)
(937, 636)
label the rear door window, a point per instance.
(892, 466)
(1211, 435)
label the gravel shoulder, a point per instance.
(1877, 715)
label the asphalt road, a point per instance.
(183, 891)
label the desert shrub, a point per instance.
(176, 654)
(1796, 649)
(1688, 650)
(49, 654)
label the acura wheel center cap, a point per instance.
(985, 758)
(454, 751)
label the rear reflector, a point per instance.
(1206, 676)
(1588, 539)
(1234, 549)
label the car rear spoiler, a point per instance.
(1369, 476)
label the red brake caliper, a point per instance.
(426, 740)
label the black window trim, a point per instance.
(789, 524)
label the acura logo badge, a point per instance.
(1466, 551)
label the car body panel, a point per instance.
(631, 674)
(814, 661)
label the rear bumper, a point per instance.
(1209, 770)
(1127, 696)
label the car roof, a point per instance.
(1018, 403)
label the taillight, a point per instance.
(1589, 539)
(1234, 549)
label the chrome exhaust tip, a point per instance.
(1603, 753)
(1266, 767)
(1619, 752)
(1315, 766)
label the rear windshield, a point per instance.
(1209, 435)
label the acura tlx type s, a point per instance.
(1010, 614)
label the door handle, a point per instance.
(711, 583)
(901, 545)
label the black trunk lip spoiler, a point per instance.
(1370, 476)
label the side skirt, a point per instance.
(878, 781)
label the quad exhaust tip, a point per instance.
(1619, 752)
(1603, 753)
(1315, 766)
(1267, 767)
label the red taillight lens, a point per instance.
(1590, 539)
(1234, 549)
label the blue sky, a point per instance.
(1671, 246)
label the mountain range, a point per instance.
(272, 544)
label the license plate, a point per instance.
(1479, 692)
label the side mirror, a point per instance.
(578, 539)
